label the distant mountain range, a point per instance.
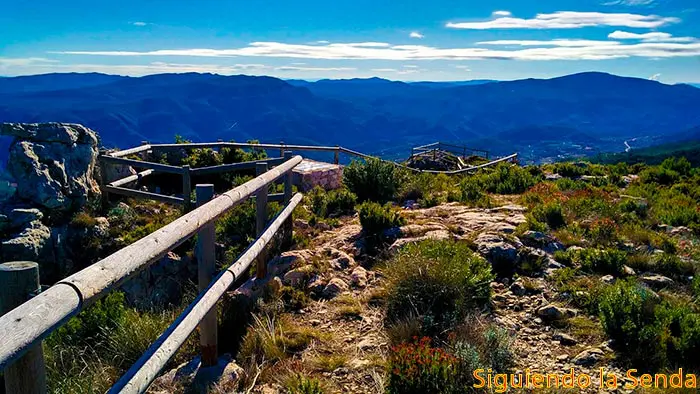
(577, 114)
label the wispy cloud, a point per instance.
(397, 71)
(297, 68)
(569, 20)
(655, 77)
(632, 3)
(656, 36)
(562, 42)
(415, 34)
(462, 67)
(501, 13)
(40, 65)
(543, 50)
(140, 24)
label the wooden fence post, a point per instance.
(206, 268)
(281, 148)
(261, 219)
(186, 188)
(19, 280)
(287, 226)
(103, 179)
(336, 155)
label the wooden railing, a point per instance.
(23, 328)
(284, 149)
(457, 150)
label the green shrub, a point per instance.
(569, 170)
(672, 265)
(420, 368)
(681, 165)
(675, 209)
(424, 185)
(103, 315)
(332, 203)
(83, 220)
(237, 155)
(653, 334)
(473, 194)
(436, 281)
(431, 200)
(551, 214)
(637, 207)
(373, 180)
(206, 157)
(601, 261)
(506, 178)
(300, 384)
(376, 218)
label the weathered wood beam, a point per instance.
(142, 164)
(141, 194)
(131, 151)
(234, 166)
(131, 178)
(32, 321)
(144, 371)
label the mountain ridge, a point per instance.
(374, 115)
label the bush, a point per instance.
(83, 220)
(105, 314)
(420, 368)
(376, 218)
(551, 214)
(601, 261)
(374, 180)
(438, 282)
(300, 384)
(654, 334)
(202, 158)
(506, 178)
(473, 194)
(332, 203)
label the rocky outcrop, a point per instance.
(53, 164)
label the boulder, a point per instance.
(298, 276)
(565, 339)
(20, 217)
(198, 379)
(334, 287)
(53, 164)
(500, 251)
(33, 243)
(555, 313)
(657, 281)
(588, 357)
(537, 239)
(358, 278)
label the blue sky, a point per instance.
(312, 39)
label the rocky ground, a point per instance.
(548, 335)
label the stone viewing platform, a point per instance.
(310, 173)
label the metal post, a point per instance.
(261, 219)
(288, 224)
(206, 268)
(20, 279)
(336, 158)
(186, 188)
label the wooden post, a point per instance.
(103, 180)
(287, 226)
(261, 219)
(206, 268)
(336, 158)
(20, 279)
(282, 149)
(186, 188)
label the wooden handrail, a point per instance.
(131, 178)
(32, 321)
(144, 371)
(142, 164)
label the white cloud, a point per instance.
(654, 77)
(569, 20)
(563, 42)
(648, 37)
(297, 68)
(410, 66)
(501, 13)
(415, 34)
(397, 71)
(462, 67)
(385, 70)
(16, 67)
(543, 50)
(631, 2)
(140, 24)
(23, 61)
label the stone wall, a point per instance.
(309, 174)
